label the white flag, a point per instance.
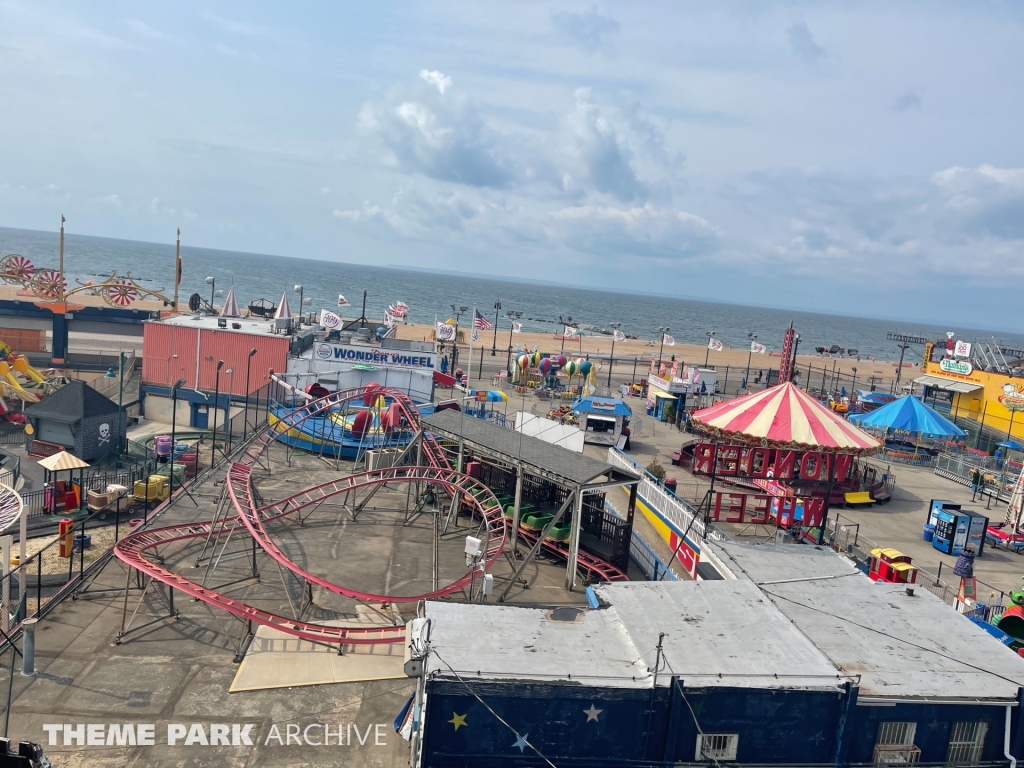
(328, 319)
(445, 332)
(758, 349)
(668, 340)
(570, 332)
(714, 345)
(517, 327)
(619, 336)
(342, 301)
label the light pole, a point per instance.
(455, 343)
(248, 364)
(796, 348)
(752, 337)
(227, 412)
(216, 409)
(611, 360)
(853, 387)
(707, 353)
(212, 282)
(174, 425)
(299, 290)
(494, 344)
(513, 315)
(664, 330)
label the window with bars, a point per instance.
(895, 744)
(717, 746)
(966, 741)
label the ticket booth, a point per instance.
(892, 566)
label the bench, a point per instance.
(858, 498)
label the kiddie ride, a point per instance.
(19, 381)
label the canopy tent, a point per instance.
(908, 414)
(784, 416)
(62, 461)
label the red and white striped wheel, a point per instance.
(49, 283)
(120, 292)
(16, 266)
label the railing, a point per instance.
(680, 513)
(9, 436)
(642, 555)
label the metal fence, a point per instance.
(681, 513)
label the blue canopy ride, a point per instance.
(908, 414)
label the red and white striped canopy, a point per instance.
(784, 417)
(230, 304)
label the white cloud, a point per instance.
(803, 43)
(591, 30)
(242, 28)
(439, 80)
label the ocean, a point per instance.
(431, 294)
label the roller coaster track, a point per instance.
(594, 566)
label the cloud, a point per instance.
(366, 212)
(646, 231)
(439, 80)
(803, 43)
(242, 28)
(986, 202)
(430, 130)
(142, 28)
(909, 100)
(606, 156)
(591, 30)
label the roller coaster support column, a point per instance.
(515, 512)
(536, 547)
(574, 544)
(416, 441)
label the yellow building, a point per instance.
(993, 400)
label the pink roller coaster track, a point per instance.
(134, 548)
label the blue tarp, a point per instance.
(605, 406)
(908, 414)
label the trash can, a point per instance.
(670, 485)
(929, 532)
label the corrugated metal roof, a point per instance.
(950, 385)
(900, 646)
(565, 466)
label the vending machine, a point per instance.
(952, 529)
(936, 505)
(976, 534)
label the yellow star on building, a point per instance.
(458, 720)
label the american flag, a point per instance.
(481, 322)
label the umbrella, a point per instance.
(784, 416)
(1012, 445)
(908, 414)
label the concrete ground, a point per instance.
(178, 671)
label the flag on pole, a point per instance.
(445, 332)
(476, 334)
(619, 336)
(758, 349)
(481, 322)
(342, 301)
(668, 340)
(517, 327)
(329, 319)
(715, 345)
(570, 332)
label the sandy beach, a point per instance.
(689, 353)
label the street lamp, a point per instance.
(707, 353)
(248, 363)
(227, 412)
(494, 344)
(853, 387)
(611, 361)
(298, 289)
(752, 337)
(513, 315)
(792, 367)
(664, 330)
(174, 424)
(212, 282)
(216, 410)
(455, 343)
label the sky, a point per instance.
(857, 158)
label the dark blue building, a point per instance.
(794, 659)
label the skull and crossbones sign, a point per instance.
(104, 434)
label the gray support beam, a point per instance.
(574, 543)
(536, 547)
(515, 512)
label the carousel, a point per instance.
(783, 444)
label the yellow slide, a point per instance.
(5, 370)
(21, 366)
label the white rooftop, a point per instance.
(899, 646)
(250, 325)
(719, 633)
(510, 642)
